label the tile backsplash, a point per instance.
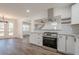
(75, 28)
(68, 28)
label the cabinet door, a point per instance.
(39, 39)
(33, 38)
(61, 43)
(75, 14)
(77, 46)
(70, 45)
(36, 38)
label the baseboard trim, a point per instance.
(10, 38)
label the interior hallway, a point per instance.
(21, 47)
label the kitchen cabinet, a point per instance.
(33, 38)
(75, 14)
(39, 39)
(77, 46)
(65, 12)
(36, 38)
(70, 45)
(61, 43)
(66, 44)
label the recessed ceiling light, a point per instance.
(27, 11)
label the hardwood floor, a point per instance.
(22, 47)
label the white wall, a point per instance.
(39, 15)
(18, 28)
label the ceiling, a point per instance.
(18, 10)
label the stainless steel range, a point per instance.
(50, 39)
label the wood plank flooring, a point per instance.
(22, 47)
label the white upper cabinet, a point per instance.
(75, 14)
(64, 12)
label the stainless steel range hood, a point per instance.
(50, 14)
(53, 22)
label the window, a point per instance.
(26, 27)
(10, 28)
(1, 28)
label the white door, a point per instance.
(61, 43)
(70, 45)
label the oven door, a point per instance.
(50, 42)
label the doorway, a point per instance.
(26, 31)
(6, 29)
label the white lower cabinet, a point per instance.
(32, 38)
(70, 45)
(77, 46)
(66, 44)
(36, 38)
(61, 43)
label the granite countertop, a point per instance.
(59, 32)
